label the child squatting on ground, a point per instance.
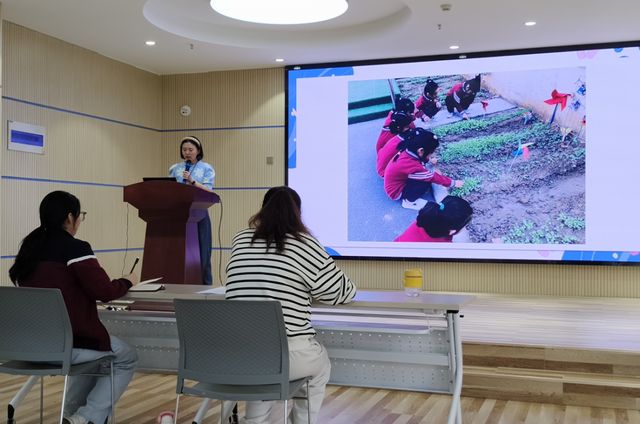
(407, 176)
(400, 125)
(428, 104)
(405, 106)
(461, 96)
(438, 223)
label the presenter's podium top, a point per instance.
(163, 195)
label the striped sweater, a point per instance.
(305, 271)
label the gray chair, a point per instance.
(234, 351)
(36, 339)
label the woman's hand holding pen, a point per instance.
(133, 278)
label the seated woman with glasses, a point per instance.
(51, 257)
(278, 259)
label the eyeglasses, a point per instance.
(83, 215)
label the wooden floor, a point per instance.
(150, 394)
(536, 325)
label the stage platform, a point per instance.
(560, 350)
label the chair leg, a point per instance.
(175, 416)
(64, 397)
(113, 397)
(41, 398)
(308, 405)
(285, 411)
(222, 412)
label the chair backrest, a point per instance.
(35, 326)
(232, 342)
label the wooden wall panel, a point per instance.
(533, 279)
(239, 157)
(81, 149)
(93, 109)
(105, 226)
(48, 71)
(230, 99)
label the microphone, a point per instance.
(187, 167)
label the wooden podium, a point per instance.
(171, 211)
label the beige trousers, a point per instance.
(310, 361)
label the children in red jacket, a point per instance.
(428, 104)
(406, 176)
(461, 96)
(399, 123)
(405, 106)
(438, 223)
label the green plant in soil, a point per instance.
(475, 124)
(571, 222)
(486, 145)
(529, 233)
(470, 184)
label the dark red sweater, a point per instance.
(70, 265)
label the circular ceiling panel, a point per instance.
(195, 19)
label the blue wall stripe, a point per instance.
(78, 113)
(132, 249)
(41, 180)
(86, 115)
(225, 129)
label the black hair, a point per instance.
(279, 217)
(437, 220)
(54, 210)
(473, 84)
(404, 105)
(430, 87)
(399, 120)
(419, 138)
(196, 142)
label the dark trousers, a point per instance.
(450, 103)
(206, 244)
(415, 189)
(431, 110)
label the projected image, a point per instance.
(494, 157)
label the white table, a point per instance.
(380, 339)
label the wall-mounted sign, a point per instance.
(26, 137)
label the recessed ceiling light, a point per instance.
(279, 60)
(280, 12)
(531, 23)
(150, 43)
(454, 47)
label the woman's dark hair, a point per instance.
(404, 105)
(196, 142)
(54, 210)
(437, 220)
(279, 218)
(419, 138)
(399, 121)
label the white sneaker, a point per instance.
(75, 419)
(417, 205)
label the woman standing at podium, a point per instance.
(199, 174)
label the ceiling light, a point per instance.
(531, 23)
(150, 43)
(279, 60)
(454, 47)
(280, 12)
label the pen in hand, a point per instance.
(134, 265)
